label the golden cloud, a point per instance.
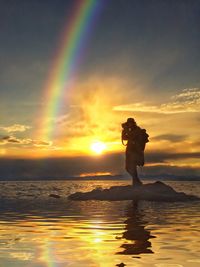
(188, 100)
(15, 128)
(23, 141)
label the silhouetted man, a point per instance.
(136, 140)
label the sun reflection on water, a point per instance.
(100, 234)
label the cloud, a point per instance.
(113, 163)
(62, 119)
(23, 141)
(161, 157)
(23, 256)
(188, 100)
(188, 94)
(9, 139)
(136, 107)
(169, 137)
(90, 116)
(41, 143)
(161, 171)
(15, 128)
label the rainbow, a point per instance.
(67, 59)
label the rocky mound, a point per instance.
(157, 191)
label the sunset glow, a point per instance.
(99, 133)
(98, 147)
(85, 82)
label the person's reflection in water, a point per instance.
(136, 232)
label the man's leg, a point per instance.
(131, 168)
(134, 174)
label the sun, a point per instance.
(98, 147)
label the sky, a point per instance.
(137, 59)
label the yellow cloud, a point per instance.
(15, 128)
(91, 117)
(188, 100)
(23, 141)
(94, 111)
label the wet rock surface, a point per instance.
(54, 196)
(157, 191)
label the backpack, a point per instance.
(143, 138)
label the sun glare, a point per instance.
(98, 147)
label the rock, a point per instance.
(121, 264)
(157, 191)
(54, 196)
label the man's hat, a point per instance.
(130, 120)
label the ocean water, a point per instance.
(37, 230)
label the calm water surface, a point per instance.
(40, 231)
